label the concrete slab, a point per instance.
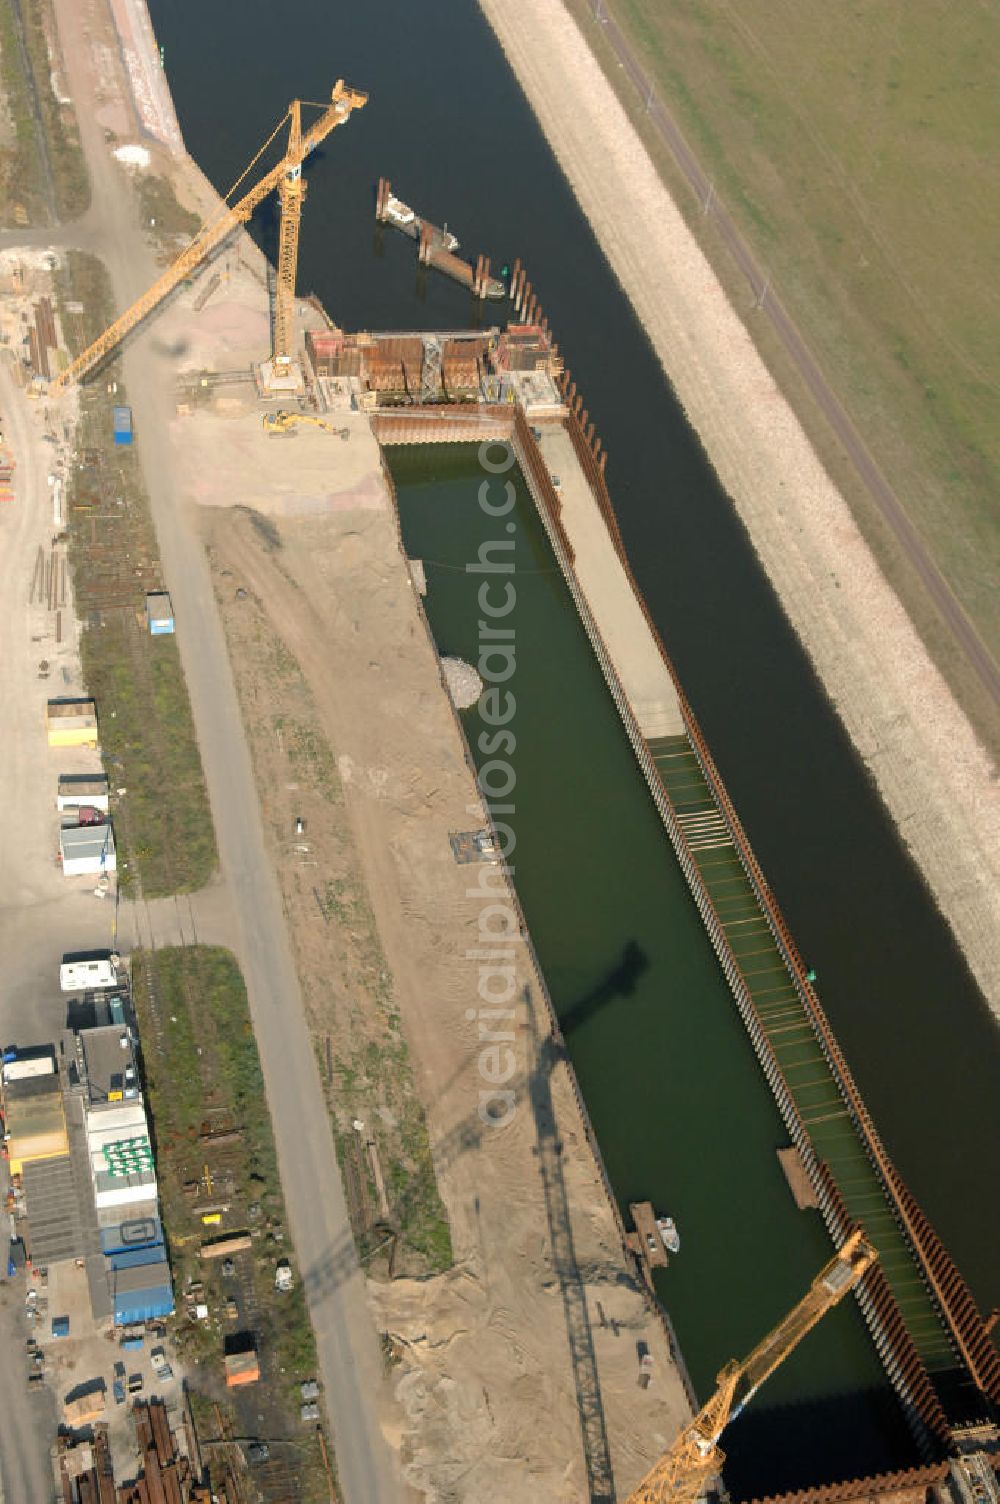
(644, 675)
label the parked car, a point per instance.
(258, 1451)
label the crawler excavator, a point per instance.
(288, 422)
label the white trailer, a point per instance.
(87, 850)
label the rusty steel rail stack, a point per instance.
(446, 424)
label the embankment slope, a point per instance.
(934, 776)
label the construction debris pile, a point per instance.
(464, 684)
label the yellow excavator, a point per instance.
(684, 1472)
(286, 176)
(288, 422)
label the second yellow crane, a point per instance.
(684, 1472)
(286, 176)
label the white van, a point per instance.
(87, 976)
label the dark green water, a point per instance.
(449, 125)
(682, 1112)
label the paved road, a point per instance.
(348, 1352)
(27, 1420)
(963, 633)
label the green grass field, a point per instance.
(855, 145)
(22, 170)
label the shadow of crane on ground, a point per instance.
(342, 1262)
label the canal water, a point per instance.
(448, 124)
(680, 1107)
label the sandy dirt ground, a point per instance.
(934, 776)
(482, 1350)
(346, 1337)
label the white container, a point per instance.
(87, 976)
(27, 1066)
(81, 789)
(87, 850)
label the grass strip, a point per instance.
(203, 1082)
(148, 740)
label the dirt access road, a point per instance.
(344, 1329)
(33, 893)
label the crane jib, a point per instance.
(343, 101)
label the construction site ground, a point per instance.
(362, 776)
(43, 914)
(329, 653)
(323, 630)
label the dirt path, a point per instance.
(935, 777)
(29, 887)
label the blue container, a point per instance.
(121, 418)
(60, 1326)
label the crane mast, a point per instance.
(291, 192)
(684, 1472)
(286, 176)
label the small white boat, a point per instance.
(395, 212)
(400, 214)
(667, 1228)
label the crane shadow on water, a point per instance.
(621, 981)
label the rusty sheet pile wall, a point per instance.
(942, 1277)
(520, 348)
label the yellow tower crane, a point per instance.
(286, 176)
(684, 1472)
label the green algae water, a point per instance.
(682, 1112)
(915, 1029)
